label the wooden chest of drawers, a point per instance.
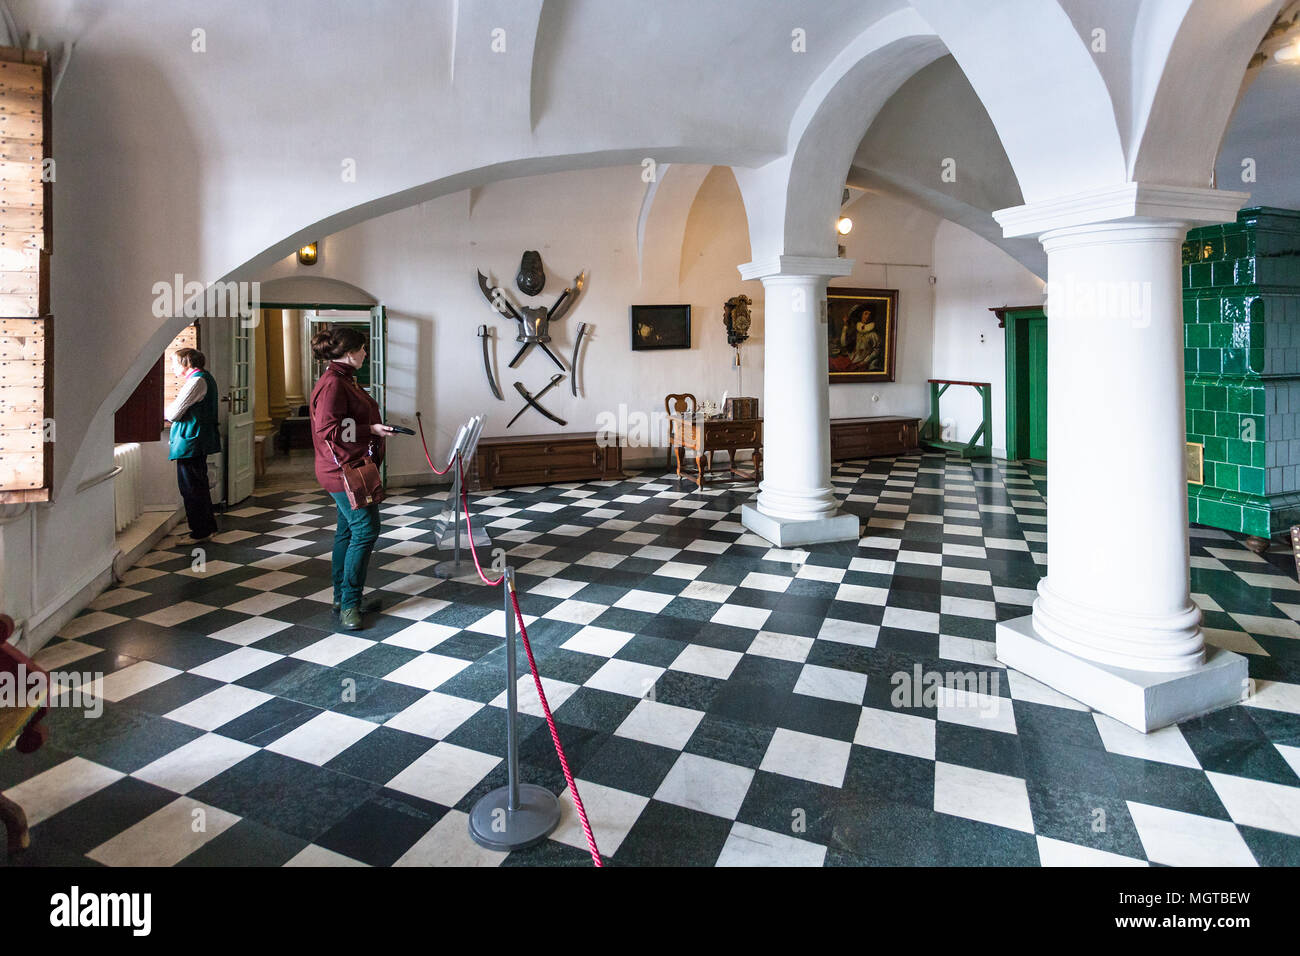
(541, 459)
(869, 437)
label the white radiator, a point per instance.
(128, 498)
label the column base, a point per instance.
(1145, 700)
(788, 532)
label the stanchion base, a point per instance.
(494, 826)
(453, 569)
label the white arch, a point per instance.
(792, 202)
(1041, 87)
(661, 223)
(1213, 42)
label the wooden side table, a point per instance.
(706, 435)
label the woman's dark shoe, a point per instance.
(350, 618)
(368, 605)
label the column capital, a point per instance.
(1189, 205)
(795, 266)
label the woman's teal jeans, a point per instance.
(354, 539)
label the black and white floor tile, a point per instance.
(721, 701)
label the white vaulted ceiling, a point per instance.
(215, 163)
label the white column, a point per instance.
(1114, 624)
(1117, 585)
(796, 504)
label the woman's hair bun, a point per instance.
(336, 341)
(322, 344)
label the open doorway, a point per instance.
(1026, 358)
(270, 370)
(284, 374)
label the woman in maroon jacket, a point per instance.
(345, 427)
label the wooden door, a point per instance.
(1037, 380)
(239, 423)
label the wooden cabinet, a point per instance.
(541, 459)
(871, 437)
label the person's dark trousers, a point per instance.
(192, 477)
(354, 539)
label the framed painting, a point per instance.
(861, 334)
(661, 327)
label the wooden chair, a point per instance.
(21, 726)
(680, 403)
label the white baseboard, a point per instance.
(40, 627)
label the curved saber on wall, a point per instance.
(484, 335)
(573, 365)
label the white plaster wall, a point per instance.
(421, 262)
(973, 277)
(892, 244)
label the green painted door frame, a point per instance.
(1026, 405)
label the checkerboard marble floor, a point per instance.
(722, 702)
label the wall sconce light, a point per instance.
(844, 226)
(307, 255)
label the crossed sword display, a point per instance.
(554, 312)
(531, 401)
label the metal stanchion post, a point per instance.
(517, 815)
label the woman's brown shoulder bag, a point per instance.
(361, 480)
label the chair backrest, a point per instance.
(679, 403)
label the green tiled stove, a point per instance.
(1241, 327)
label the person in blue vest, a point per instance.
(194, 436)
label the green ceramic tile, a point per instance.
(1251, 481)
(1232, 309)
(1258, 454)
(1255, 521)
(1238, 452)
(1216, 398)
(1255, 360)
(1244, 430)
(1244, 273)
(1209, 309)
(1201, 276)
(1219, 514)
(1195, 397)
(1189, 361)
(1234, 362)
(1240, 400)
(1234, 244)
(1204, 422)
(1196, 336)
(1192, 501)
(1225, 476)
(1227, 425)
(1223, 272)
(1256, 310)
(1258, 400)
(1209, 361)
(1216, 449)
